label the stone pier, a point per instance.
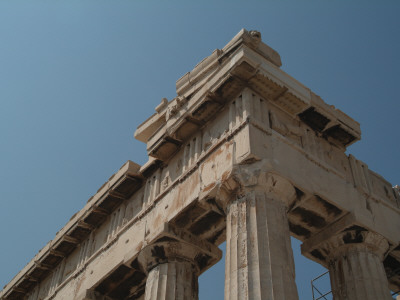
(355, 262)
(172, 280)
(173, 264)
(259, 260)
(245, 154)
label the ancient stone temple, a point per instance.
(244, 154)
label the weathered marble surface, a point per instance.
(244, 153)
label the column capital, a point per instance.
(354, 259)
(178, 245)
(259, 258)
(257, 177)
(353, 241)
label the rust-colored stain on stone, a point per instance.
(209, 187)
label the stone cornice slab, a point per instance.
(120, 186)
(219, 78)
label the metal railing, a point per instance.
(316, 293)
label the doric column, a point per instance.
(172, 280)
(259, 259)
(355, 264)
(173, 264)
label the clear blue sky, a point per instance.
(78, 77)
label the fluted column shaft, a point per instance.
(357, 273)
(175, 280)
(259, 259)
(173, 263)
(354, 257)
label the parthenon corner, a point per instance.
(244, 154)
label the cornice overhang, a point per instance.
(119, 187)
(202, 93)
(221, 77)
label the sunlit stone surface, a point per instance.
(245, 154)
